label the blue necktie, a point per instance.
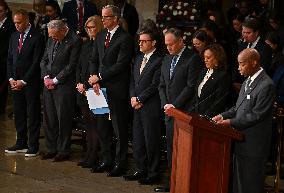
(173, 65)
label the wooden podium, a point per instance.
(201, 154)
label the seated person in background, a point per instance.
(200, 40)
(213, 84)
(76, 13)
(92, 26)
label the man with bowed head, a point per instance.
(178, 78)
(110, 68)
(252, 115)
(58, 67)
(25, 51)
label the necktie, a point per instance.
(248, 81)
(143, 64)
(21, 41)
(173, 65)
(107, 40)
(80, 15)
(55, 48)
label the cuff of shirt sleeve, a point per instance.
(138, 99)
(55, 81)
(23, 82)
(47, 76)
(11, 79)
(100, 76)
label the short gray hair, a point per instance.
(57, 24)
(115, 10)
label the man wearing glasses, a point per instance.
(145, 101)
(110, 68)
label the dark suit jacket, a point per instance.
(132, 19)
(113, 64)
(213, 97)
(25, 65)
(252, 115)
(278, 79)
(63, 66)
(145, 85)
(264, 50)
(180, 89)
(6, 31)
(82, 70)
(70, 13)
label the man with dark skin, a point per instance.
(252, 115)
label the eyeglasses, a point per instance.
(144, 41)
(90, 27)
(107, 17)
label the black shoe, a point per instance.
(162, 189)
(17, 149)
(149, 180)
(32, 152)
(101, 168)
(136, 176)
(81, 163)
(61, 157)
(47, 155)
(116, 171)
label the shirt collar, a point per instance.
(3, 21)
(253, 77)
(149, 54)
(113, 31)
(255, 42)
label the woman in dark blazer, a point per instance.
(93, 25)
(213, 83)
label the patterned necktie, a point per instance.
(80, 15)
(21, 41)
(248, 81)
(173, 65)
(143, 64)
(107, 40)
(55, 48)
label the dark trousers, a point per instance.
(146, 142)
(26, 103)
(3, 96)
(59, 107)
(92, 139)
(170, 136)
(248, 174)
(103, 130)
(119, 113)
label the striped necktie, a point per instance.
(173, 65)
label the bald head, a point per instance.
(249, 61)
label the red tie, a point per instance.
(107, 40)
(21, 39)
(80, 14)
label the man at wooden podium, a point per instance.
(179, 72)
(252, 115)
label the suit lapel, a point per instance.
(243, 94)
(180, 61)
(210, 81)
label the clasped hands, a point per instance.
(93, 81)
(135, 103)
(16, 84)
(49, 84)
(220, 121)
(81, 88)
